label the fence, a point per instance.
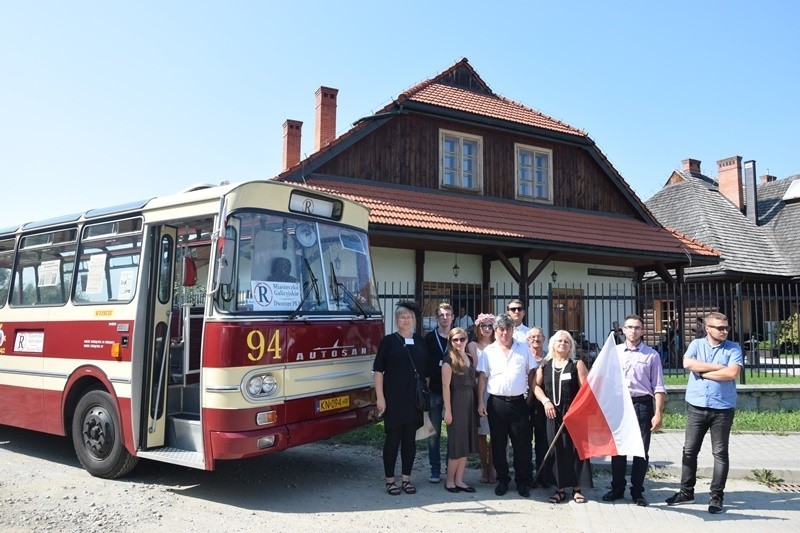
(764, 317)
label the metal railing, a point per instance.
(764, 317)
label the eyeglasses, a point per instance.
(486, 326)
(632, 327)
(515, 309)
(459, 340)
(722, 329)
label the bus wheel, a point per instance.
(97, 437)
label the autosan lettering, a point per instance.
(330, 352)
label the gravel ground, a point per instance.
(321, 487)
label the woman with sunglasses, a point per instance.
(484, 336)
(460, 411)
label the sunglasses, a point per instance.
(720, 328)
(486, 326)
(460, 339)
(515, 309)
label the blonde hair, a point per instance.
(551, 346)
(458, 364)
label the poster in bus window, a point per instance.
(96, 274)
(49, 273)
(275, 295)
(126, 284)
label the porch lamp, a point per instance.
(554, 275)
(456, 270)
(337, 262)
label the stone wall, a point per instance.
(751, 398)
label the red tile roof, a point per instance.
(431, 210)
(487, 104)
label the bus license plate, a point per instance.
(329, 404)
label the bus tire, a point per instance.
(97, 438)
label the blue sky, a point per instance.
(102, 103)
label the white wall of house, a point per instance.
(607, 299)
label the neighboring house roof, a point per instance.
(410, 210)
(782, 218)
(696, 208)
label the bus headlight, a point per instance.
(261, 385)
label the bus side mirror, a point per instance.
(225, 263)
(189, 272)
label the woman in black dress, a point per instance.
(557, 384)
(460, 409)
(395, 386)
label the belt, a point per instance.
(642, 399)
(509, 398)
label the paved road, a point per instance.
(339, 488)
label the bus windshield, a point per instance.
(295, 266)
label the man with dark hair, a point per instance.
(645, 380)
(436, 342)
(504, 371)
(714, 364)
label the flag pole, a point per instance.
(548, 454)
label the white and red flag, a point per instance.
(601, 419)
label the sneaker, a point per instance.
(639, 500)
(680, 497)
(612, 495)
(435, 478)
(715, 505)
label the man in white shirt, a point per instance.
(504, 371)
(516, 310)
(463, 320)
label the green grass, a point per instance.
(681, 379)
(780, 422)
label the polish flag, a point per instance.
(601, 419)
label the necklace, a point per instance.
(556, 384)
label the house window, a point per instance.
(534, 170)
(460, 160)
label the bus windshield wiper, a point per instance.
(337, 285)
(311, 285)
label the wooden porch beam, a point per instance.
(664, 274)
(506, 263)
(540, 268)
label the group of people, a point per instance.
(504, 385)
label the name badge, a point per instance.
(566, 376)
(410, 341)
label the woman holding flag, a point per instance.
(557, 384)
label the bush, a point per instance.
(789, 333)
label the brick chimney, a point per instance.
(292, 134)
(325, 130)
(766, 178)
(729, 177)
(692, 166)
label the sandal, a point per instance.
(392, 489)
(577, 496)
(408, 488)
(557, 497)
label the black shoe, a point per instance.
(715, 505)
(612, 495)
(524, 491)
(680, 497)
(466, 489)
(452, 489)
(501, 488)
(639, 500)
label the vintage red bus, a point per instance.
(218, 323)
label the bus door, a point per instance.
(160, 323)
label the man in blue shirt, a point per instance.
(714, 363)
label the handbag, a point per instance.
(420, 393)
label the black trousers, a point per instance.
(403, 439)
(509, 420)
(644, 414)
(539, 431)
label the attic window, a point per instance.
(461, 160)
(793, 192)
(534, 172)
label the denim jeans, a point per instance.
(435, 412)
(644, 410)
(699, 420)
